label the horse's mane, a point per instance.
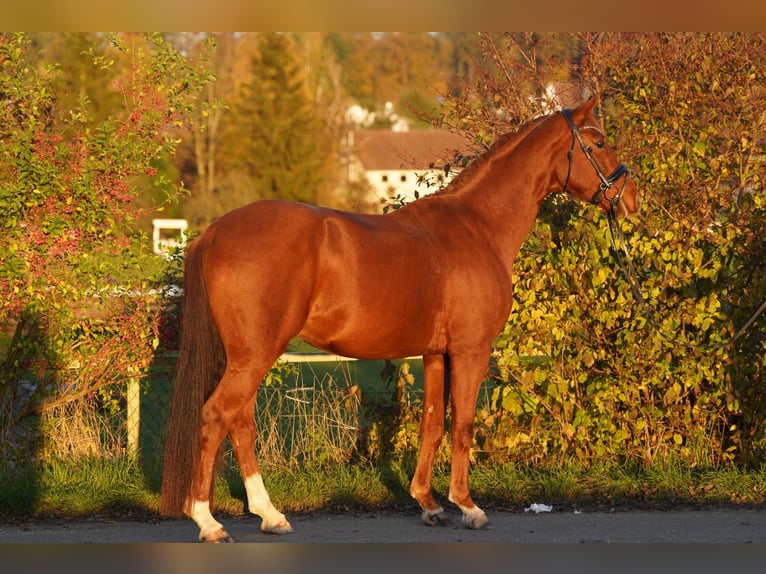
(505, 143)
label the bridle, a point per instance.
(607, 181)
(619, 245)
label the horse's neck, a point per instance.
(506, 196)
(496, 199)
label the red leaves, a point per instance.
(68, 257)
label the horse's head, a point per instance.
(591, 171)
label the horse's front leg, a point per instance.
(436, 388)
(467, 373)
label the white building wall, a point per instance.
(387, 184)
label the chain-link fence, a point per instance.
(307, 410)
(310, 410)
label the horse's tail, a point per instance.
(201, 362)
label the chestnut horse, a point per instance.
(432, 278)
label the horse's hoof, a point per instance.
(282, 527)
(476, 520)
(436, 518)
(217, 537)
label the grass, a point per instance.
(310, 463)
(287, 398)
(119, 487)
(87, 486)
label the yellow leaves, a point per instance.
(600, 276)
(512, 441)
(558, 333)
(639, 391)
(694, 256)
(535, 314)
(673, 392)
(709, 304)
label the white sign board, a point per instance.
(167, 235)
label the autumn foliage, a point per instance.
(78, 300)
(584, 372)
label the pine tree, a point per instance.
(273, 137)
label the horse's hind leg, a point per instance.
(212, 432)
(230, 410)
(242, 434)
(431, 433)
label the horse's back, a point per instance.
(259, 267)
(267, 222)
(285, 234)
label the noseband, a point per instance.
(607, 182)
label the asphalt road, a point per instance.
(728, 525)
(341, 544)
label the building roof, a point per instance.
(414, 149)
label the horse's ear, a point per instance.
(588, 107)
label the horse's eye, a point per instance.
(600, 144)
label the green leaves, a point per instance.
(612, 386)
(76, 287)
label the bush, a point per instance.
(584, 371)
(79, 303)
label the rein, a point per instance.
(619, 249)
(625, 261)
(607, 181)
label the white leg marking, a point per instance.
(259, 503)
(200, 514)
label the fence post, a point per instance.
(134, 415)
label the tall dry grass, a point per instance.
(314, 421)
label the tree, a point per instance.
(329, 99)
(407, 69)
(77, 79)
(76, 308)
(277, 127)
(690, 110)
(200, 151)
(582, 363)
(270, 144)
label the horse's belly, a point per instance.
(374, 332)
